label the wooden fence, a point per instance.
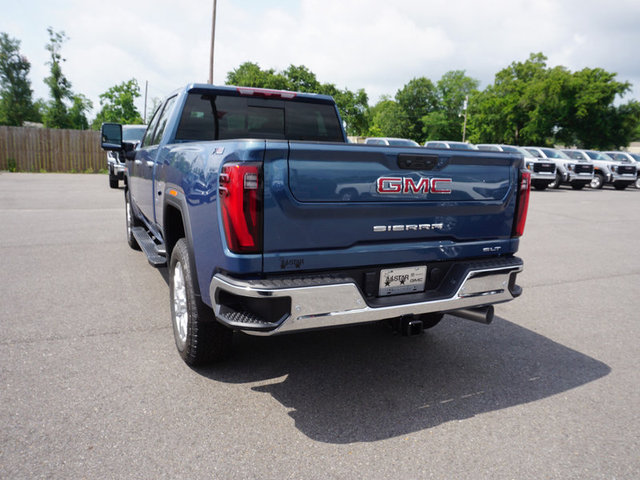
(30, 149)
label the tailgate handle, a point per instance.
(417, 162)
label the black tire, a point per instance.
(598, 181)
(430, 320)
(578, 186)
(637, 183)
(131, 221)
(113, 181)
(540, 185)
(200, 339)
(620, 186)
(556, 183)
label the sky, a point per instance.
(377, 45)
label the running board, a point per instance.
(156, 254)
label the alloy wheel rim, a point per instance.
(180, 303)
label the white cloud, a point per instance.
(376, 45)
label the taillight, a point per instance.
(241, 206)
(522, 205)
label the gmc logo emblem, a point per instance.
(408, 185)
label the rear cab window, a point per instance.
(222, 117)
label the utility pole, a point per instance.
(213, 37)
(146, 87)
(464, 107)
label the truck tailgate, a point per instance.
(335, 205)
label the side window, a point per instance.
(163, 119)
(146, 141)
(150, 136)
(198, 121)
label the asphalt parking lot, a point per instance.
(91, 385)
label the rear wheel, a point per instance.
(113, 181)
(200, 339)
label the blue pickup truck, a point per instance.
(270, 222)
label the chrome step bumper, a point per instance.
(330, 302)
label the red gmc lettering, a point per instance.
(411, 187)
(408, 185)
(389, 185)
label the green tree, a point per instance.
(388, 119)
(417, 99)
(251, 75)
(56, 114)
(503, 110)
(624, 128)
(80, 106)
(592, 120)
(446, 121)
(118, 104)
(635, 135)
(301, 79)
(16, 103)
(549, 106)
(353, 106)
(529, 103)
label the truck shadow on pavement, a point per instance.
(363, 384)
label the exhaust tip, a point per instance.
(482, 315)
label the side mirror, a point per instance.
(111, 134)
(129, 149)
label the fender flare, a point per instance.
(175, 198)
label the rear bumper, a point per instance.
(303, 303)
